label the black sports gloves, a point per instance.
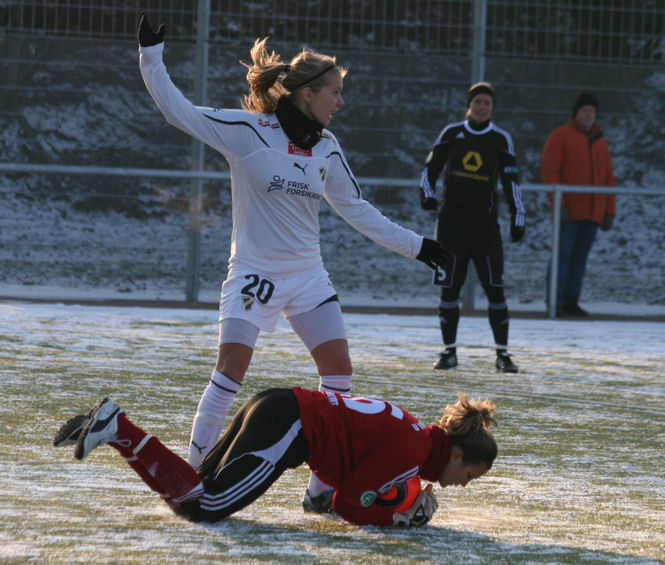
(428, 203)
(434, 255)
(146, 35)
(516, 233)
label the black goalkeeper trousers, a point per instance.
(264, 439)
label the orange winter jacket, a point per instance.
(570, 156)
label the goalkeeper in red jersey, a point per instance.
(361, 447)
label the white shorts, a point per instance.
(260, 299)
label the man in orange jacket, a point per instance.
(577, 154)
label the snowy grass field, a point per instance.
(580, 476)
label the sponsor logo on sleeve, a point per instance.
(268, 124)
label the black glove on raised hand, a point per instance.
(434, 255)
(146, 35)
(516, 233)
(429, 203)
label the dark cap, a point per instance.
(479, 88)
(584, 99)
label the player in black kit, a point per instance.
(473, 155)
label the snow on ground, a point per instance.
(578, 478)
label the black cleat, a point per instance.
(504, 363)
(102, 427)
(447, 360)
(572, 308)
(70, 431)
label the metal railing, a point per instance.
(194, 251)
(558, 190)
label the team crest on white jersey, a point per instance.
(322, 173)
(247, 303)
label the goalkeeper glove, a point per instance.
(420, 513)
(146, 35)
(428, 203)
(516, 233)
(434, 255)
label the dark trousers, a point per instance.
(575, 242)
(483, 245)
(264, 439)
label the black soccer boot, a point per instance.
(70, 431)
(447, 359)
(504, 363)
(572, 308)
(321, 504)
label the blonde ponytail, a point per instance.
(262, 75)
(269, 77)
(467, 422)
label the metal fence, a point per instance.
(609, 32)
(71, 96)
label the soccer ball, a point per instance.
(402, 496)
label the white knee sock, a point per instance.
(329, 383)
(210, 416)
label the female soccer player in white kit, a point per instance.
(283, 163)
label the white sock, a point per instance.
(335, 383)
(316, 486)
(210, 416)
(328, 383)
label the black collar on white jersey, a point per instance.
(301, 130)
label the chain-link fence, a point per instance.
(71, 95)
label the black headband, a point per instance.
(476, 89)
(323, 72)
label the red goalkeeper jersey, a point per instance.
(363, 447)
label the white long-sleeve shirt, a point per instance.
(276, 187)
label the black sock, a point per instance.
(449, 320)
(498, 318)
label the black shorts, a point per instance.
(480, 243)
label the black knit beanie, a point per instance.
(584, 99)
(479, 88)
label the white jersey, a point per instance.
(276, 187)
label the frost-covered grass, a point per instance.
(578, 478)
